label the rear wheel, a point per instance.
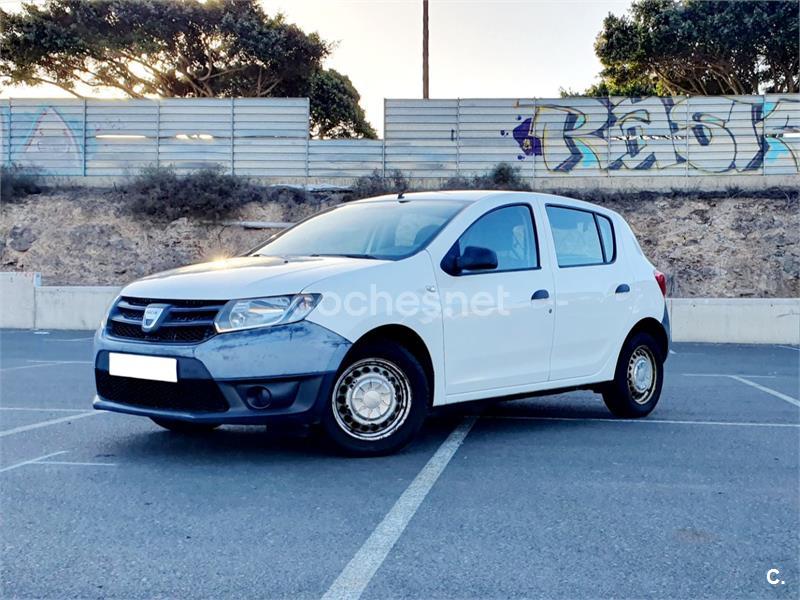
(185, 427)
(637, 383)
(379, 401)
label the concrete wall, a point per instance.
(25, 304)
(743, 320)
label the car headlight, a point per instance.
(265, 312)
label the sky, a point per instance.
(478, 48)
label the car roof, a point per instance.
(472, 196)
(459, 195)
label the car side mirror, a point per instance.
(476, 258)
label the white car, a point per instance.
(364, 316)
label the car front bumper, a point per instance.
(271, 375)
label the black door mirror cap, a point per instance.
(477, 258)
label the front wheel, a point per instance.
(379, 401)
(184, 427)
(638, 379)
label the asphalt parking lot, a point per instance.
(547, 497)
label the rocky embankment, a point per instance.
(742, 246)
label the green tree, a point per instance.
(177, 48)
(699, 47)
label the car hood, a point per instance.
(246, 277)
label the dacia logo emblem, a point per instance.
(153, 316)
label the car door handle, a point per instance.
(623, 288)
(540, 295)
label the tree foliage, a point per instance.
(177, 48)
(701, 47)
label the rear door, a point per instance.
(592, 291)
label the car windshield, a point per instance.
(382, 230)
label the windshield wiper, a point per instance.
(369, 256)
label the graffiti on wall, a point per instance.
(51, 138)
(714, 135)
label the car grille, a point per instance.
(186, 321)
(194, 395)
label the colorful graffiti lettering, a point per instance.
(713, 135)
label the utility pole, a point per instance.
(425, 49)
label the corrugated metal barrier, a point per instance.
(560, 137)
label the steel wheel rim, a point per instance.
(371, 399)
(642, 375)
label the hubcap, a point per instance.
(371, 399)
(641, 374)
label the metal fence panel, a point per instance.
(4, 146)
(781, 134)
(647, 136)
(121, 136)
(344, 158)
(47, 135)
(488, 133)
(421, 137)
(195, 133)
(270, 136)
(724, 135)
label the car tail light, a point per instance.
(661, 279)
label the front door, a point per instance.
(498, 322)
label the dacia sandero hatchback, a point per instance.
(364, 316)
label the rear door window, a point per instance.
(576, 236)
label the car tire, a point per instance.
(185, 427)
(639, 376)
(378, 402)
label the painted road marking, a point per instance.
(797, 349)
(742, 379)
(770, 391)
(74, 464)
(355, 577)
(47, 363)
(645, 421)
(32, 461)
(42, 409)
(724, 375)
(62, 362)
(50, 422)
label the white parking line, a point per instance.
(47, 363)
(74, 464)
(48, 423)
(39, 409)
(767, 390)
(355, 577)
(644, 421)
(797, 349)
(742, 379)
(62, 362)
(30, 462)
(724, 375)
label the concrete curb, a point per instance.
(26, 304)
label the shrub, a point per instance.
(502, 177)
(17, 182)
(376, 184)
(208, 194)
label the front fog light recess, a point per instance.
(250, 313)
